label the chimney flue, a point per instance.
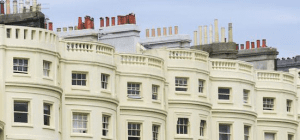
(27, 4)
(210, 34)
(170, 30)
(50, 24)
(39, 7)
(152, 32)
(165, 31)
(21, 6)
(252, 45)
(247, 45)
(15, 5)
(113, 21)
(216, 31)
(58, 30)
(237, 47)
(242, 47)
(107, 21)
(147, 33)
(264, 43)
(195, 38)
(7, 6)
(200, 35)
(223, 34)
(70, 28)
(205, 34)
(80, 25)
(230, 38)
(158, 32)
(2, 7)
(258, 43)
(176, 30)
(101, 22)
(65, 29)
(34, 5)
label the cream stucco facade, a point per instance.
(196, 98)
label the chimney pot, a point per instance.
(158, 32)
(247, 45)
(147, 33)
(75, 27)
(58, 30)
(153, 32)
(70, 28)
(195, 38)
(242, 47)
(50, 26)
(237, 47)
(165, 31)
(80, 24)
(65, 29)
(170, 30)
(230, 38)
(101, 22)
(176, 30)
(252, 45)
(216, 31)
(258, 43)
(2, 7)
(107, 21)
(113, 21)
(7, 6)
(264, 43)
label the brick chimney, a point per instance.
(264, 43)
(152, 32)
(50, 26)
(158, 32)
(107, 21)
(147, 33)
(119, 20)
(176, 30)
(170, 30)
(165, 31)
(247, 45)
(113, 21)
(7, 6)
(2, 7)
(87, 22)
(242, 47)
(252, 45)
(237, 47)
(131, 18)
(101, 22)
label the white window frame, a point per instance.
(49, 115)
(289, 105)
(273, 133)
(136, 130)
(46, 68)
(77, 119)
(21, 68)
(105, 125)
(181, 83)
(79, 79)
(224, 133)
(135, 91)
(268, 103)
(155, 132)
(104, 81)
(155, 92)
(246, 96)
(184, 123)
(28, 110)
(247, 135)
(200, 85)
(224, 94)
(203, 126)
(290, 137)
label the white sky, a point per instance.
(278, 21)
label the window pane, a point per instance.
(21, 106)
(224, 128)
(21, 117)
(46, 120)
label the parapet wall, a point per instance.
(285, 64)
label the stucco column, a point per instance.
(210, 34)
(223, 34)
(216, 31)
(195, 38)
(230, 39)
(200, 35)
(205, 34)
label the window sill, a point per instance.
(248, 105)
(106, 138)
(81, 135)
(49, 128)
(132, 99)
(183, 136)
(22, 125)
(269, 112)
(225, 102)
(202, 95)
(105, 91)
(290, 114)
(202, 138)
(182, 93)
(21, 75)
(83, 88)
(156, 101)
(47, 78)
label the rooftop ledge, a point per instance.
(165, 39)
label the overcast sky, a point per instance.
(278, 21)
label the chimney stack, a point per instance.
(252, 45)
(34, 5)
(264, 43)
(58, 30)
(147, 33)
(113, 21)
(107, 21)
(223, 34)
(153, 32)
(216, 31)
(230, 39)
(247, 45)
(21, 6)
(50, 24)
(27, 3)
(88, 22)
(210, 34)
(205, 34)
(7, 7)
(170, 30)
(158, 32)
(242, 47)
(101, 22)
(176, 30)
(65, 29)
(119, 20)
(258, 43)
(200, 35)
(80, 25)
(70, 28)
(131, 18)
(2, 7)
(15, 5)
(165, 31)
(195, 38)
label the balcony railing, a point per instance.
(188, 54)
(89, 47)
(231, 65)
(134, 59)
(275, 76)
